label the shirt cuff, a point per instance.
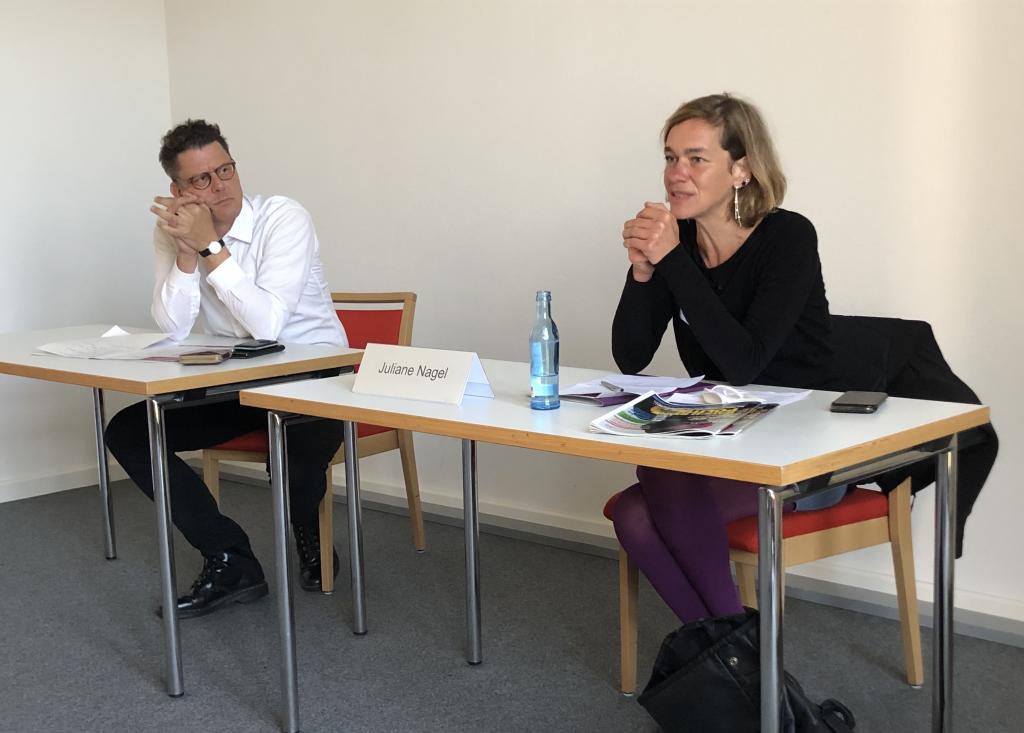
(227, 275)
(179, 280)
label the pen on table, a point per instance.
(611, 387)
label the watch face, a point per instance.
(211, 249)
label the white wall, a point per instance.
(86, 100)
(475, 152)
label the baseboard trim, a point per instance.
(874, 603)
(27, 487)
(966, 622)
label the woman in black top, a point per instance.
(740, 280)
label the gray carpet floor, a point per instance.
(83, 651)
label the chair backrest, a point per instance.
(380, 318)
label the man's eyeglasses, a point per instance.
(224, 172)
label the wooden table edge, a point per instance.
(246, 370)
(869, 450)
(624, 452)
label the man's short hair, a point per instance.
(189, 135)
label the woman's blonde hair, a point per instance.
(744, 134)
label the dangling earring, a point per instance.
(736, 202)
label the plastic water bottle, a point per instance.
(544, 356)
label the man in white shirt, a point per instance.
(238, 266)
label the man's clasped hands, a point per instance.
(187, 220)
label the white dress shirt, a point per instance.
(271, 287)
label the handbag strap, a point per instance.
(837, 716)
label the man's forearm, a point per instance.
(187, 261)
(176, 295)
(175, 308)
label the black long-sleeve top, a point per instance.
(761, 316)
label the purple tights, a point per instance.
(673, 527)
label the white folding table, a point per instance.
(165, 385)
(797, 450)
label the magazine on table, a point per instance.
(653, 415)
(616, 389)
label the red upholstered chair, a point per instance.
(862, 519)
(367, 317)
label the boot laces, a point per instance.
(210, 567)
(307, 542)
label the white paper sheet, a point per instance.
(119, 344)
(631, 384)
(723, 394)
(168, 350)
(105, 347)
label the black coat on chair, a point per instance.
(902, 358)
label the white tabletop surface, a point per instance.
(153, 377)
(793, 443)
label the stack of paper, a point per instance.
(723, 394)
(615, 389)
(119, 344)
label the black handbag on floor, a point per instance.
(707, 679)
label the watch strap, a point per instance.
(206, 252)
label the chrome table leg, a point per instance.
(99, 420)
(769, 574)
(945, 558)
(155, 413)
(276, 423)
(355, 528)
(471, 517)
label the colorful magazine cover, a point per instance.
(653, 415)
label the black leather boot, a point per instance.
(232, 576)
(307, 543)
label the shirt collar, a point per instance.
(241, 229)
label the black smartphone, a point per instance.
(255, 347)
(863, 402)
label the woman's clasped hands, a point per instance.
(648, 237)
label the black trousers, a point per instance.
(311, 445)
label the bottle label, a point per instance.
(544, 375)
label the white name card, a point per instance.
(421, 374)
